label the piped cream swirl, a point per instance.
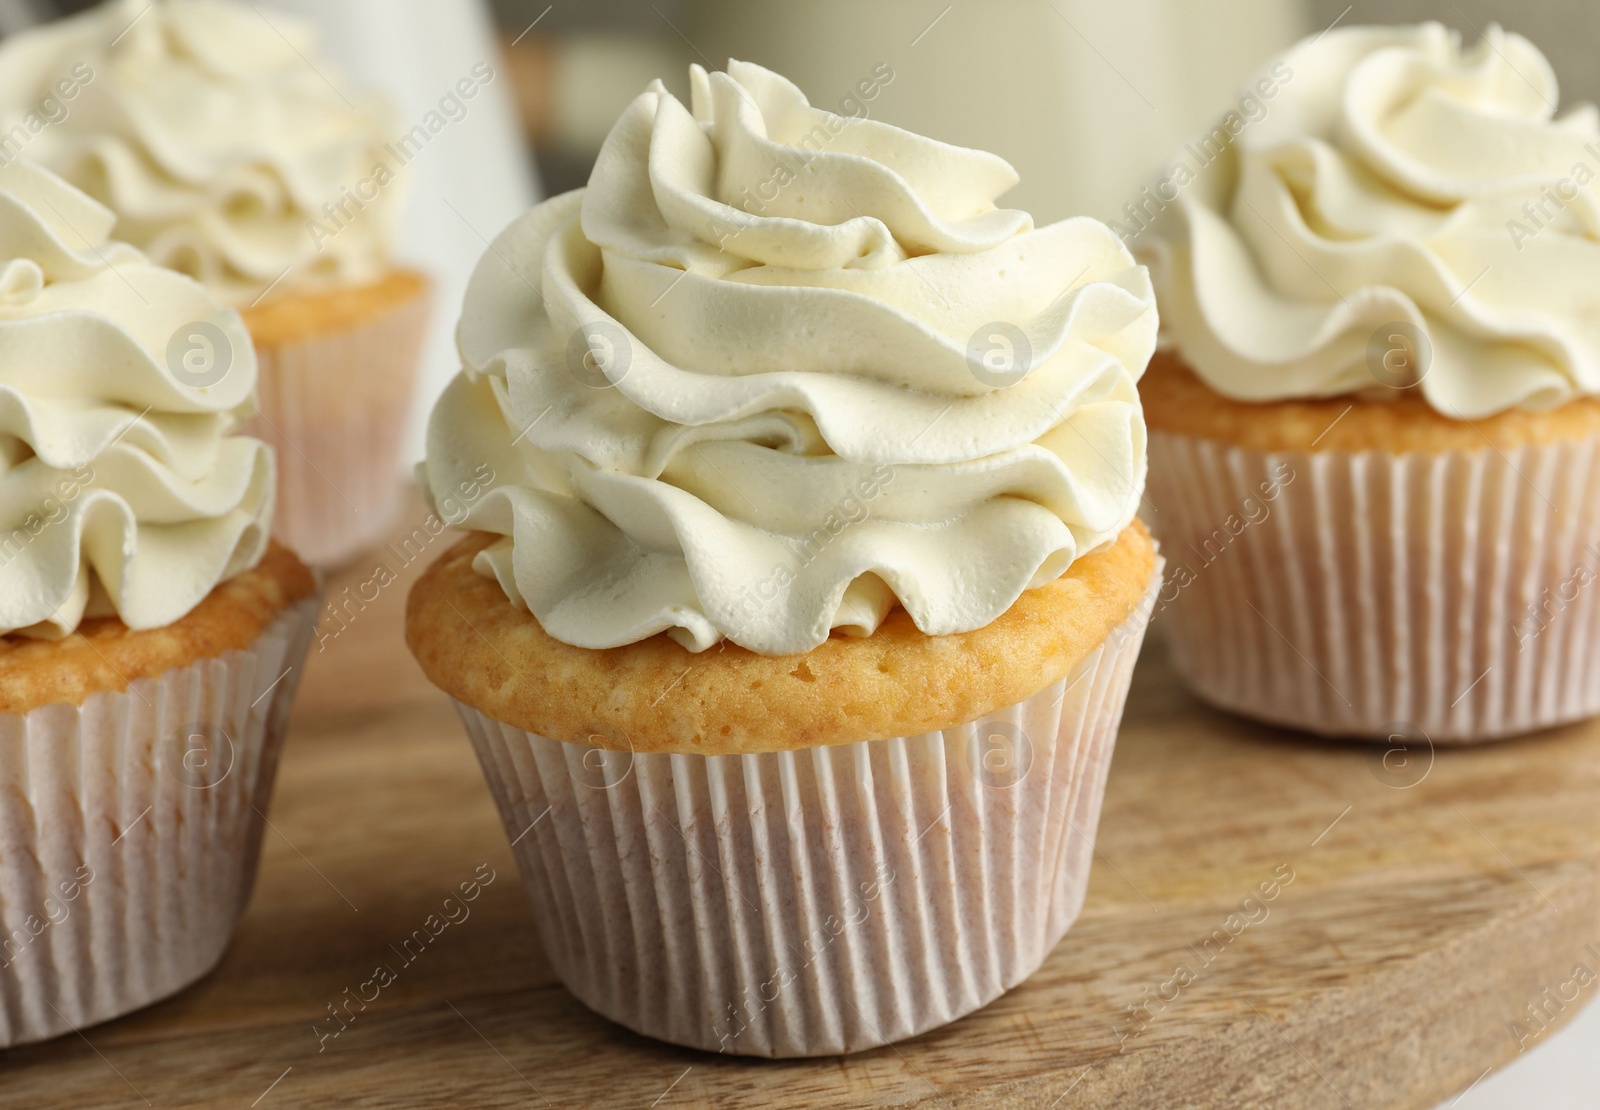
(218, 137)
(1396, 179)
(777, 370)
(122, 488)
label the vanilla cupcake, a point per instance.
(1375, 421)
(804, 582)
(150, 635)
(230, 151)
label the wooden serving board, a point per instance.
(1415, 920)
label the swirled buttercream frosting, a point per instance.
(777, 370)
(1407, 213)
(122, 488)
(226, 147)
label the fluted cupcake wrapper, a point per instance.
(1427, 597)
(130, 827)
(821, 900)
(336, 408)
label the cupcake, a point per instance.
(1375, 416)
(228, 152)
(150, 633)
(803, 581)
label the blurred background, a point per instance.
(1085, 97)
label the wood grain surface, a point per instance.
(1435, 913)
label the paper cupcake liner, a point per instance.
(129, 831)
(1447, 597)
(817, 901)
(336, 408)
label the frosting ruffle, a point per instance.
(122, 489)
(776, 370)
(1396, 179)
(225, 153)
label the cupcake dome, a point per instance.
(1396, 178)
(125, 488)
(150, 636)
(778, 370)
(222, 152)
(228, 149)
(787, 385)
(1374, 424)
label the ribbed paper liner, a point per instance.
(822, 900)
(336, 408)
(1385, 594)
(97, 801)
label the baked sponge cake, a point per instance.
(151, 633)
(733, 701)
(231, 150)
(1375, 418)
(803, 580)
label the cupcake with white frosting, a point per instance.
(230, 151)
(1375, 420)
(150, 633)
(805, 581)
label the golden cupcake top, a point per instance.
(1177, 400)
(655, 695)
(104, 655)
